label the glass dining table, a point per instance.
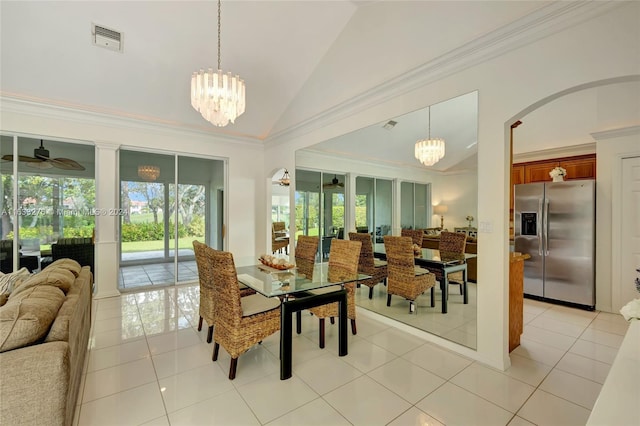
(441, 263)
(294, 291)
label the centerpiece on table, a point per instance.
(558, 174)
(275, 262)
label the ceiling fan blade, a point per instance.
(22, 158)
(65, 164)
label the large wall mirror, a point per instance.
(370, 181)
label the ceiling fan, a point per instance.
(334, 183)
(42, 160)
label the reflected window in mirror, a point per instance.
(320, 207)
(374, 206)
(415, 205)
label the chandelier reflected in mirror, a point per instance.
(148, 173)
(218, 97)
(431, 150)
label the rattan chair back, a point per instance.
(452, 241)
(366, 264)
(306, 251)
(205, 277)
(235, 332)
(415, 234)
(402, 278)
(343, 266)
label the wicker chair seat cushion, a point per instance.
(420, 271)
(257, 303)
(379, 263)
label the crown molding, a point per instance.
(549, 19)
(563, 151)
(17, 104)
(616, 133)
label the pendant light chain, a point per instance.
(219, 35)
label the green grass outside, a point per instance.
(136, 246)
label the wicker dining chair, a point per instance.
(306, 251)
(367, 264)
(205, 277)
(240, 322)
(415, 234)
(343, 266)
(405, 279)
(453, 242)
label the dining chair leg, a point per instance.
(232, 368)
(388, 300)
(333, 320)
(200, 324)
(321, 335)
(298, 322)
(216, 348)
(354, 330)
(210, 334)
(461, 292)
(433, 296)
(370, 292)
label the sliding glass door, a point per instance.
(374, 206)
(168, 201)
(320, 207)
(415, 205)
(55, 187)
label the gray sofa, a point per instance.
(44, 333)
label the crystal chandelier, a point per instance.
(429, 151)
(148, 173)
(219, 97)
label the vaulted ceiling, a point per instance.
(300, 59)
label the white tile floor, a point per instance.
(148, 365)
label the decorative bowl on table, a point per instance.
(275, 262)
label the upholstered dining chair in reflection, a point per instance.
(367, 264)
(453, 242)
(343, 266)
(205, 276)
(306, 250)
(405, 279)
(415, 234)
(240, 322)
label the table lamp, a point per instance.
(441, 210)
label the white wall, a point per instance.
(611, 147)
(509, 86)
(459, 192)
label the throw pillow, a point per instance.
(26, 319)
(68, 264)
(56, 277)
(10, 281)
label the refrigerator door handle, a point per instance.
(546, 227)
(539, 226)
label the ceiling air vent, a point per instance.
(390, 124)
(107, 38)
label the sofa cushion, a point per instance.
(60, 328)
(57, 277)
(25, 318)
(9, 281)
(68, 264)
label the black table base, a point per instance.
(300, 303)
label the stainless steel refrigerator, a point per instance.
(554, 222)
